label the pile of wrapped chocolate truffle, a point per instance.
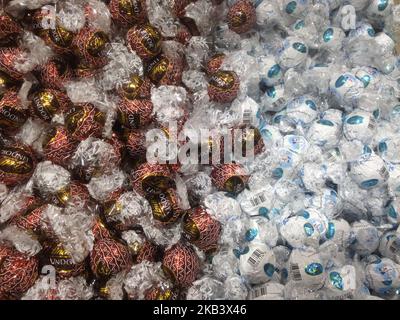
(314, 85)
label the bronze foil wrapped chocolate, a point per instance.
(47, 102)
(100, 230)
(109, 257)
(181, 264)
(223, 86)
(17, 163)
(161, 293)
(12, 113)
(165, 206)
(9, 28)
(163, 70)
(83, 121)
(55, 73)
(242, 16)
(30, 220)
(229, 177)
(250, 136)
(201, 229)
(90, 44)
(178, 7)
(128, 12)
(6, 82)
(59, 146)
(9, 58)
(183, 34)
(136, 144)
(143, 249)
(152, 178)
(18, 272)
(214, 63)
(56, 255)
(58, 38)
(145, 40)
(136, 88)
(75, 193)
(135, 114)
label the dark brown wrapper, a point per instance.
(145, 40)
(18, 273)
(214, 63)
(12, 114)
(17, 163)
(109, 257)
(8, 27)
(201, 229)
(9, 57)
(59, 146)
(161, 293)
(55, 73)
(136, 88)
(134, 114)
(165, 71)
(165, 207)
(47, 102)
(229, 177)
(152, 178)
(223, 86)
(128, 12)
(83, 121)
(242, 16)
(181, 264)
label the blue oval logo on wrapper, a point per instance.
(263, 211)
(306, 214)
(251, 234)
(336, 280)
(309, 229)
(274, 71)
(371, 32)
(269, 269)
(299, 25)
(311, 104)
(392, 212)
(341, 81)
(300, 47)
(355, 120)
(314, 269)
(382, 147)
(330, 233)
(383, 4)
(369, 183)
(277, 173)
(271, 92)
(325, 122)
(291, 7)
(328, 35)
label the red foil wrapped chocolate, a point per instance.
(152, 178)
(128, 12)
(17, 163)
(56, 255)
(165, 206)
(109, 257)
(214, 63)
(229, 177)
(18, 272)
(59, 146)
(30, 220)
(242, 16)
(48, 102)
(223, 86)
(136, 88)
(100, 230)
(134, 114)
(161, 293)
(89, 44)
(83, 121)
(75, 193)
(181, 264)
(136, 144)
(145, 40)
(163, 70)
(9, 58)
(55, 73)
(12, 114)
(8, 27)
(201, 229)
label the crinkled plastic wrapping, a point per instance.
(319, 215)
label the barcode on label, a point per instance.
(256, 257)
(372, 124)
(247, 116)
(384, 173)
(295, 272)
(258, 199)
(395, 247)
(344, 296)
(258, 292)
(278, 103)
